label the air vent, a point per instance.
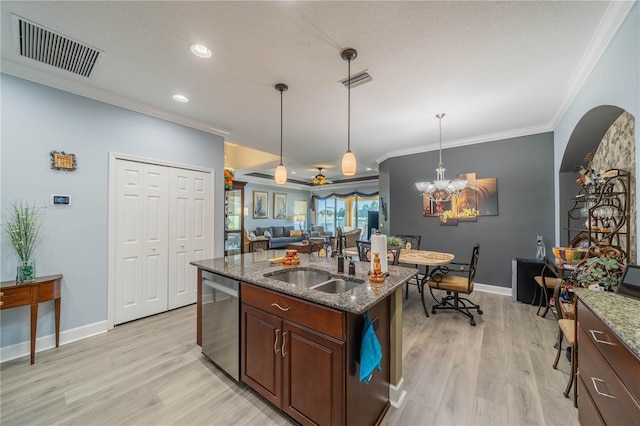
(42, 45)
(357, 79)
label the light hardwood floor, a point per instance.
(151, 372)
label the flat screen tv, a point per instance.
(630, 282)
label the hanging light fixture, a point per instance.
(349, 163)
(281, 170)
(441, 189)
(319, 179)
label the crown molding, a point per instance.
(607, 29)
(57, 82)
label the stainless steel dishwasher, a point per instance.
(221, 322)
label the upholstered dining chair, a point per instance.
(546, 282)
(444, 278)
(566, 330)
(411, 242)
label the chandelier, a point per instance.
(319, 179)
(441, 189)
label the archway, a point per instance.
(608, 131)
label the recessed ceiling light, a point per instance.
(293, 172)
(368, 169)
(180, 98)
(200, 50)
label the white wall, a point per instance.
(37, 119)
(615, 80)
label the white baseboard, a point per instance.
(504, 291)
(397, 394)
(47, 342)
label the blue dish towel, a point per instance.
(370, 351)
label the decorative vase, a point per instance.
(26, 271)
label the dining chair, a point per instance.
(364, 247)
(364, 253)
(411, 242)
(566, 330)
(444, 278)
(546, 282)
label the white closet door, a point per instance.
(141, 240)
(190, 232)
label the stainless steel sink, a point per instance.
(337, 286)
(301, 278)
(314, 280)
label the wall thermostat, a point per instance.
(61, 200)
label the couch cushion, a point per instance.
(260, 230)
(278, 231)
(294, 233)
(287, 229)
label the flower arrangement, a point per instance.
(588, 176)
(23, 228)
(228, 178)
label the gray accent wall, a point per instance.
(524, 169)
(37, 119)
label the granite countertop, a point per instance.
(251, 267)
(620, 313)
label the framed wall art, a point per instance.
(279, 205)
(260, 205)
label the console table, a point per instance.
(43, 289)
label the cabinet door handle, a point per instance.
(595, 386)
(275, 343)
(604, 342)
(284, 342)
(280, 307)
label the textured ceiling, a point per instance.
(497, 69)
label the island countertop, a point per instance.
(251, 268)
(620, 313)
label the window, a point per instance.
(346, 212)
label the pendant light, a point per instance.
(349, 164)
(281, 170)
(441, 189)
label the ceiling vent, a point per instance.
(357, 79)
(42, 45)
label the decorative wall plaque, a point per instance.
(63, 161)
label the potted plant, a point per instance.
(23, 229)
(395, 242)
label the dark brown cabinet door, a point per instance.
(313, 376)
(262, 353)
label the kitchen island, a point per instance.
(300, 347)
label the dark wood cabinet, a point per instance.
(608, 373)
(298, 369)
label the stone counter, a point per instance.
(620, 313)
(251, 268)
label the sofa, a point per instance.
(280, 236)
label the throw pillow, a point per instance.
(267, 234)
(294, 233)
(251, 236)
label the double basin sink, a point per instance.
(314, 280)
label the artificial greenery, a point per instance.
(600, 270)
(23, 228)
(395, 242)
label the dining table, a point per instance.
(427, 259)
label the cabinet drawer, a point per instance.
(320, 318)
(588, 414)
(16, 296)
(609, 394)
(48, 291)
(625, 364)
